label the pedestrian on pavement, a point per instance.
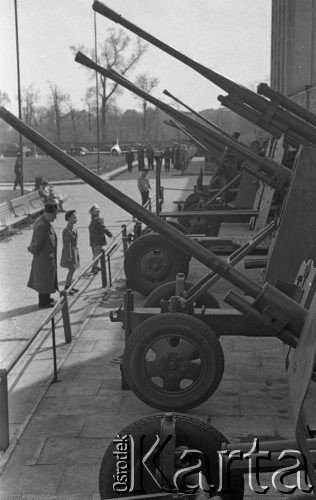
(129, 159)
(140, 157)
(70, 254)
(144, 186)
(167, 156)
(97, 230)
(43, 247)
(150, 153)
(18, 172)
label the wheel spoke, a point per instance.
(171, 382)
(193, 371)
(185, 349)
(160, 347)
(153, 369)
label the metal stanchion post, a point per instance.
(55, 379)
(109, 269)
(4, 411)
(137, 229)
(103, 269)
(66, 318)
(124, 239)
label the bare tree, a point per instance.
(57, 100)
(114, 53)
(147, 85)
(4, 98)
(30, 100)
(88, 100)
(72, 113)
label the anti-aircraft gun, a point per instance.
(267, 312)
(270, 116)
(267, 170)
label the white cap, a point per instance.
(94, 206)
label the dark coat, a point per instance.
(70, 254)
(98, 230)
(43, 276)
(129, 157)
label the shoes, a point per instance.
(46, 306)
(95, 270)
(75, 290)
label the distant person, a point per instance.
(150, 153)
(176, 157)
(167, 157)
(144, 186)
(97, 231)
(70, 254)
(141, 157)
(129, 159)
(18, 172)
(47, 193)
(158, 158)
(43, 247)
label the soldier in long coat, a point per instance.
(43, 276)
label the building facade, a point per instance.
(293, 50)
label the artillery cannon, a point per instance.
(223, 467)
(273, 173)
(267, 312)
(269, 116)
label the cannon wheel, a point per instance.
(166, 290)
(194, 199)
(190, 433)
(151, 260)
(173, 361)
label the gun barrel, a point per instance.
(211, 124)
(171, 123)
(235, 104)
(266, 294)
(287, 120)
(214, 137)
(119, 198)
(286, 103)
(218, 79)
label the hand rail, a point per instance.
(63, 307)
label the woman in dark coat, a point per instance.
(70, 254)
(43, 277)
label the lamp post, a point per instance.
(97, 88)
(19, 87)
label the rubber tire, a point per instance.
(142, 246)
(194, 198)
(189, 432)
(205, 346)
(166, 290)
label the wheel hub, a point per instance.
(155, 265)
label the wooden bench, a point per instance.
(5, 213)
(27, 206)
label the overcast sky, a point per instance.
(232, 37)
